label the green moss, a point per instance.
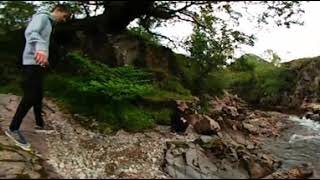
(136, 118)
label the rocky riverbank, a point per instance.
(225, 142)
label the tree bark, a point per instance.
(116, 17)
(119, 14)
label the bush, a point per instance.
(120, 83)
(258, 81)
(217, 81)
(103, 92)
(173, 84)
(113, 95)
(136, 118)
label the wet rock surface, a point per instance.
(311, 111)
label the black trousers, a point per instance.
(32, 96)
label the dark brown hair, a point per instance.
(63, 8)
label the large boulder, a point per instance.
(189, 161)
(207, 125)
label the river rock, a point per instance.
(315, 117)
(251, 128)
(308, 114)
(257, 170)
(302, 171)
(189, 163)
(207, 126)
(232, 111)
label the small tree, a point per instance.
(211, 45)
(273, 57)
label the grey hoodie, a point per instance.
(37, 36)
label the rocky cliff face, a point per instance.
(111, 49)
(116, 50)
(307, 87)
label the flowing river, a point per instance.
(300, 143)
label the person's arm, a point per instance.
(37, 24)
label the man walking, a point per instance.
(35, 59)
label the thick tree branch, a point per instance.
(96, 3)
(166, 13)
(160, 13)
(182, 9)
(95, 10)
(194, 21)
(162, 36)
(118, 14)
(85, 9)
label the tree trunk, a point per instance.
(119, 14)
(116, 17)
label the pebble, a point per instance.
(37, 167)
(61, 165)
(154, 160)
(82, 176)
(88, 160)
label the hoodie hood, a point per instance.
(48, 13)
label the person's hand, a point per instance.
(41, 58)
